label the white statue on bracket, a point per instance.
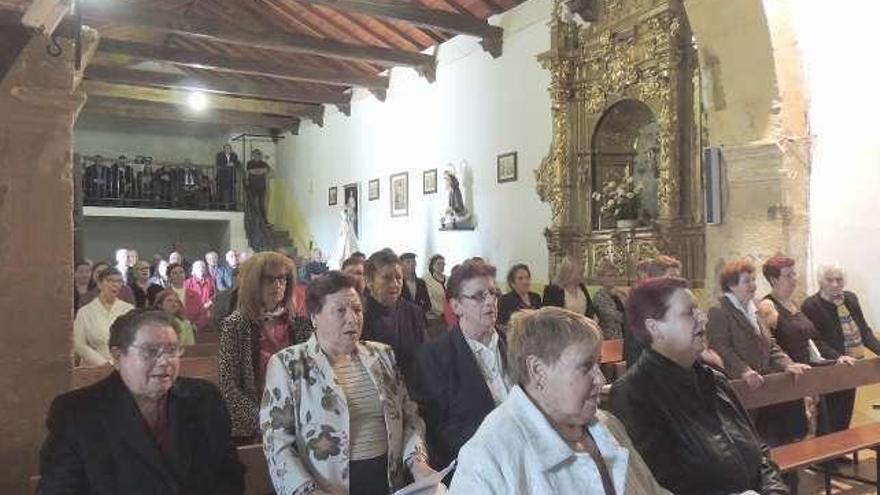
(347, 242)
(458, 214)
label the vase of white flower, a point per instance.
(620, 202)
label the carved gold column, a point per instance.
(553, 176)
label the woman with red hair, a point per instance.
(749, 350)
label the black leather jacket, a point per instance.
(692, 431)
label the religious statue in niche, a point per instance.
(457, 215)
(347, 242)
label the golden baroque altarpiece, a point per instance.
(636, 52)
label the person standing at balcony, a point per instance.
(226, 163)
(257, 171)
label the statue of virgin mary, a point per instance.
(347, 242)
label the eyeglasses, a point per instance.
(480, 297)
(277, 279)
(151, 352)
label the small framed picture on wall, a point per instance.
(399, 187)
(429, 181)
(331, 196)
(507, 167)
(373, 190)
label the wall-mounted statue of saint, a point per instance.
(457, 215)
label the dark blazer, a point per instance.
(734, 338)
(453, 396)
(421, 297)
(142, 299)
(401, 327)
(511, 303)
(99, 444)
(222, 161)
(554, 295)
(823, 314)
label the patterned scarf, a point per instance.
(852, 338)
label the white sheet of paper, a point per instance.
(432, 485)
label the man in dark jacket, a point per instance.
(226, 164)
(681, 415)
(838, 317)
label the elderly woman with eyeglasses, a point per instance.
(750, 351)
(682, 415)
(143, 429)
(549, 436)
(336, 416)
(264, 323)
(464, 373)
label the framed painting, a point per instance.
(399, 187)
(506, 165)
(373, 190)
(429, 181)
(331, 196)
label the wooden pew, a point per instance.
(612, 351)
(193, 367)
(781, 387)
(612, 364)
(210, 349)
(256, 475)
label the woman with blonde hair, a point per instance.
(568, 289)
(264, 323)
(549, 436)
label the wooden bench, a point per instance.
(816, 450)
(781, 387)
(193, 367)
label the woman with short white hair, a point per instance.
(838, 317)
(549, 436)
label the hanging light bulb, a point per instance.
(197, 101)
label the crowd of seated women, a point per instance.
(352, 385)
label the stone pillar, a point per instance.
(39, 103)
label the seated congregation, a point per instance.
(366, 379)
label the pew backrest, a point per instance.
(818, 380)
(612, 351)
(192, 367)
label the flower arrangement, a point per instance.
(622, 200)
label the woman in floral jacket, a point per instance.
(335, 412)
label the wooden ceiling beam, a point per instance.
(202, 60)
(232, 88)
(419, 15)
(137, 110)
(219, 102)
(131, 14)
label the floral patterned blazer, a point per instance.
(305, 420)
